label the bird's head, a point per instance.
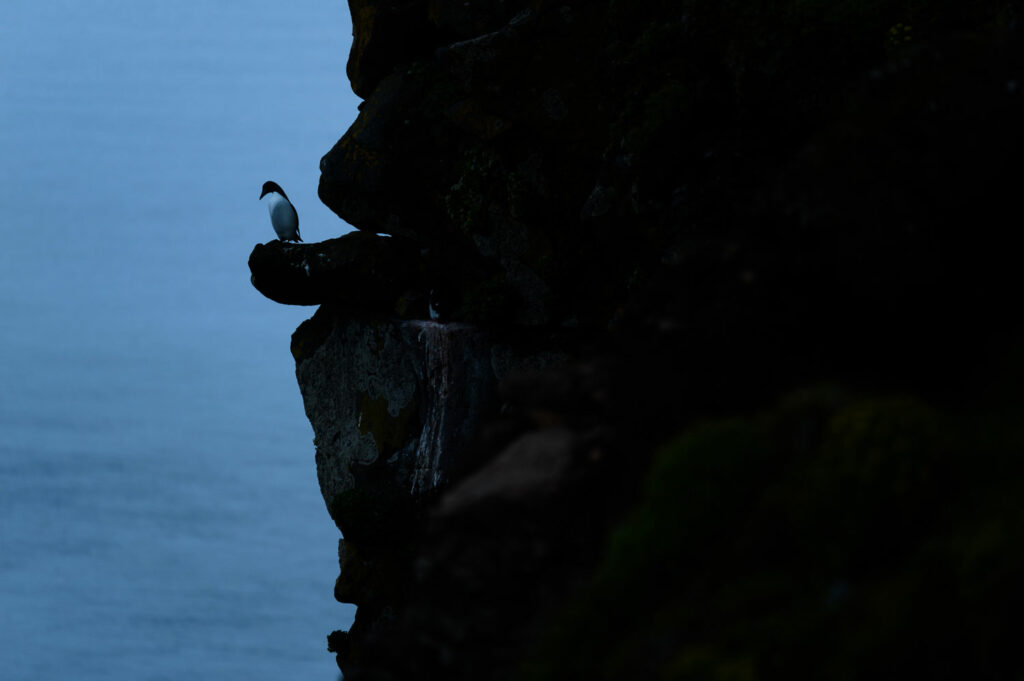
(269, 187)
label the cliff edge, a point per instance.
(679, 339)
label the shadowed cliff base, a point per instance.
(727, 360)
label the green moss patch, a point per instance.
(829, 538)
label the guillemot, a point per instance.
(282, 213)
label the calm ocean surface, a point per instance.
(159, 512)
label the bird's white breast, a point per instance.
(282, 216)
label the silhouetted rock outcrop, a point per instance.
(641, 226)
(358, 269)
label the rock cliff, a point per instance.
(679, 339)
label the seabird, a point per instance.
(282, 213)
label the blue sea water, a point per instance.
(159, 512)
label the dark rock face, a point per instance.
(503, 546)
(726, 167)
(633, 217)
(360, 270)
(393, 403)
(466, 130)
(392, 400)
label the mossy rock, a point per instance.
(390, 433)
(834, 537)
